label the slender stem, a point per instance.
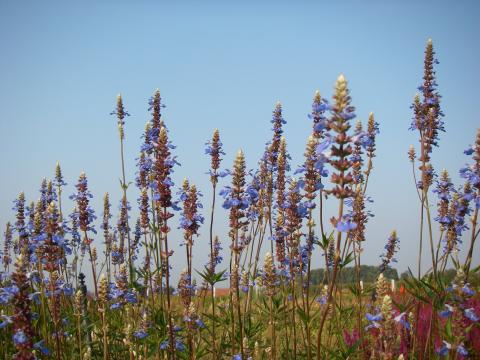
(124, 188)
(92, 261)
(105, 336)
(272, 330)
(332, 282)
(367, 172)
(430, 235)
(421, 240)
(472, 243)
(237, 290)
(167, 280)
(307, 302)
(212, 266)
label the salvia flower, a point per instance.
(106, 223)
(341, 149)
(23, 329)
(190, 219)
(185, 289)
(20, 226)
(372, 132)
(162, 170)
(76, 238)
(123, 228)
(357, 160)
(471, 172)
(277, 121)
(293, 224)
(443, 190)
(86, 214)
(147, 146)
(7, 245)
(144, 165)
(427, 111)
(59, 181)
(155, 106)
(137, 235)
(144, 205)
(311, 178)
(55, 245)
(390, 249)
(320, 123)
(214, 149)
(216, 257)
(359, 216)
(236, 198)
(121, 113)
(280, 233)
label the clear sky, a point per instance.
(224, 64)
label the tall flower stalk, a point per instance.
(162, 170)
(7, 245)
(214, 149)
(341, 150)
(86, 216)
(428, 122)
(236, 200)
(270, 282)
(472, 175)
(23, 329)
(121, 113)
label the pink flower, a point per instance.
(351, 337)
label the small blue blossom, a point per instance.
(447, 312)
(345, 225)
(401, 319)
(444, 350)
(19, 337)
(376, 317)
(200, 323)
(461, 350)
(467, 291)
(471, 315)
(6, 321)
(140, 334)
(7, 293)
(322, 300)
(42, 348)
(374, 320)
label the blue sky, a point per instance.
(224, 64)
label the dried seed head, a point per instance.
(411, 153)
(103, 289)
(78, 301)
(269, 275)
(387, 308)
(382, 287)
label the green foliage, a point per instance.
(368, 274)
